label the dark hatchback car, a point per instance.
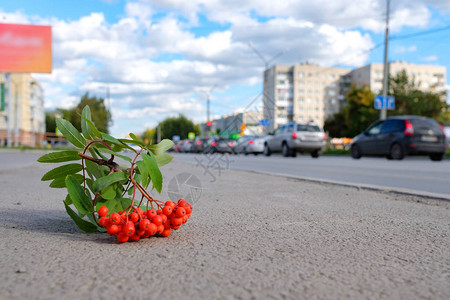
(398, 136)
(219, 145)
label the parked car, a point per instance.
(177, 146)
(256, 145)
(398, 136)
(186, 147)
(199, 144)
(219, 145)
(294, 138)
(241, 144)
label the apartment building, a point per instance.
(425, 77)
(301, 93)
(247, 122)
(308, 92)
(26, 112)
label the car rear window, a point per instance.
(310, 128)
(425, 125)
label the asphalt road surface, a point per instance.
(251, 236)
(416, 175)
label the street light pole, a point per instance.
(386, 67)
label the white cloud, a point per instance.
(403, 49)
(431, 58)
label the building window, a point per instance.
(308, 100)
(301, 92)
(331, 93)
(300, 100)
(300, 74)
(301, 83)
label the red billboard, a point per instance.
(25, 48)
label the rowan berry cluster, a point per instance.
(135, 224)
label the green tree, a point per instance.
(180, 126)
(148, 136)
(100, 114)
(409, 100)
(50, 122)
(356, 115)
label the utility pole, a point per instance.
(386, 67)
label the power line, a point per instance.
(407, 36)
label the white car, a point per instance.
(294, 138)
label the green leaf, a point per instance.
(79, 198)
(162, 147)
(60, 182)
(99, 154)
(131, 191)
(93, 169)
(82, 224)
(62, 171)
(163, 159)
(111, 139)
(134, 142)
(134, 137)
(154, 171)
(125, 202)
(61, 156)
(113, 205)
(143, 170)
(101, 183)
(94, 132)
(68, 201)
(85, 129)
(71, 133)
(106, 150)
(109, 192)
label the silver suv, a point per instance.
(292, 138)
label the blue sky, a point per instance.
(160, 58)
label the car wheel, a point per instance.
(255, 153)
(315, 154)
(267, 150)
(397, 152)
(245, 153)
(285, 150)
(355, 152)
(437, 156)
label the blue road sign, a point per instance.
(264, 122)
(384, 103)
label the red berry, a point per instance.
(170, 203)
(103, 221)
(159, 211)
(144, 224)
(157, 220)
(152, 228)
(160, 229)
(167, 210)
(115, 218)
(151, 213)
(140, 232)
(181, 202)
(102, 211)
(166, 232)
(134, 217)
(176, 221)
(180, 212)
(164, 219)
(135, 237)
(122, 237)
(112, 229)
(129, 228)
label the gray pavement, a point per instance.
(251, 236)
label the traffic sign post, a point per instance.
(387, 102)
